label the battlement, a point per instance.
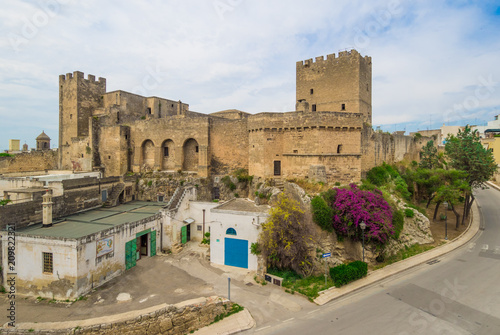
(331, 58)
(80, 75)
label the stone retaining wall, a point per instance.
(181, 318)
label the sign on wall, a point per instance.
(105, 246)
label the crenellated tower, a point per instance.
(78, 97)
(336, 84)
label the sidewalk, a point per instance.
(231, 325)
(398, 267)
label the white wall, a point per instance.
(29, 266)
(93, 271)
(247, 226)
(196, 212)
(76, 267)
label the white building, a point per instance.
(235, 225)
(82, 251)
(495, 124)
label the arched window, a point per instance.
(230, 231)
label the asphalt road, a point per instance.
(458, 293)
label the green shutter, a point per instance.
(184, 235)
(130, 254)
(153, 243)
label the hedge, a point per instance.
(345, 273)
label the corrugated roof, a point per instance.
(93, 221)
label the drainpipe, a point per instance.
(161, 232)
(203, 223)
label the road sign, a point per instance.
(328, 254)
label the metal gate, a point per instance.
(184, 234)
(236, 252)
(130, 254)
(277, 168)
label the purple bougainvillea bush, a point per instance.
(352, 206)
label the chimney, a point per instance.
(47, 210)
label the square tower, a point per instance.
(78, 97)
(336, 84)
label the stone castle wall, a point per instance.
(229, 142)
(29, 161)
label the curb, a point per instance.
(401, 266)
(231, 325)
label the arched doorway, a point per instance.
(148, 154)
(168, 155)
(191, 154)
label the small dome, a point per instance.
(42, 137)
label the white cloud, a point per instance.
(220, 54)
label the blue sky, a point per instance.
(433, 61)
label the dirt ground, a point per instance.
(438, 225)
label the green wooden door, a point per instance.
(130, 254)
(184, 234)
(153, 243)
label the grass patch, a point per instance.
(235, 308)
(308, 286)
(404, 253)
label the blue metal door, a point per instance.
(236, 252)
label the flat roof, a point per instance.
(93, 221)
(242, 205)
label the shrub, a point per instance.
(353, 206)
(322, 213)
(255, 248)
(409, 213)
(377, 176)
(345, 273)
(398, 222)
(420, 209)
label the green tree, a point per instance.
(454, 187)
(285, 237)
(429, 158)
(465, 152)
(4, 202)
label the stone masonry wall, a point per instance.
(178, 319)
(29, 161)
(79, 195)
(389, 148)
(228, 145)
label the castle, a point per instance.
(116, 132)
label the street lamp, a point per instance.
(362, 225)
(445, 205)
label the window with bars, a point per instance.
(48, 264)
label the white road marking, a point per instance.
(485, 247)
(258, 330)
(289, 320)
(471, 246)
(497, 250)
(313, 311)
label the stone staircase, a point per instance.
(173, 203)
(278, 183)
(114, 195)
(176, 248)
